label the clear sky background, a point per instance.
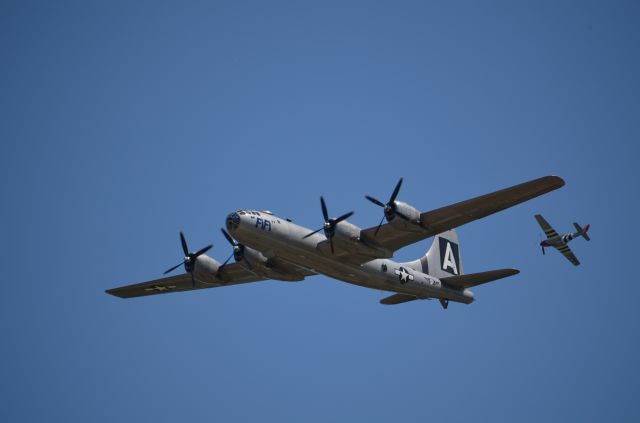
(122, 123)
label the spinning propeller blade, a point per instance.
(189, 260)
(390, 208)
(238, 251)
(329, 223)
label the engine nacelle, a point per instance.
(346, 232)
(206, 269)
(412, 223)
(255, 258)
(347, 237)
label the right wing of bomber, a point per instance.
(440, 220)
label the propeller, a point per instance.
(541, 238)
(237, 253)
(189, 260)
(390, 209)
(329, 226)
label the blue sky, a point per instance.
(123, 123)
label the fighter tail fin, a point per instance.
(583, 231)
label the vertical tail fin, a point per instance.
(443, 257)
(582, 231)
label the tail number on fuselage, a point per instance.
(263, 224)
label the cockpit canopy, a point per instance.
(243, 212)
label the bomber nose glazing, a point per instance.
(233, 220)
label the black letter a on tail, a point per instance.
(449, 258)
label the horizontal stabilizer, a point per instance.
(473, 279)
(582, 231)
(398, 299)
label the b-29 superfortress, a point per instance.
(266, 246)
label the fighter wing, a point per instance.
(449, 217)
(232, 274)
(548, 230)
(566, 251)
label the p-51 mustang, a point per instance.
(268, 247)
(560, 242)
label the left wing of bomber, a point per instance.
(231, 274)
(433, 222)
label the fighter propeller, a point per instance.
(189, 260)
(390, 209)
(329, 226)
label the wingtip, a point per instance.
(505, 273)
(555, 180)
(114, 292)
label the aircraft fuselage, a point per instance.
(276, 237)
(558, 241)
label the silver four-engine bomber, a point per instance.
(265, 246)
